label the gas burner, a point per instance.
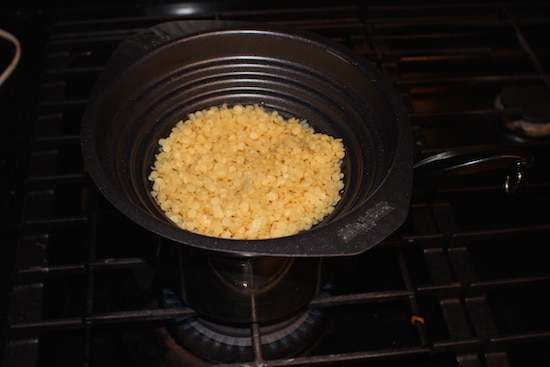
(534, 102)
(233, 343)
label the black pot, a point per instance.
(158, 76)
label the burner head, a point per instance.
(234, 343)
(534, 102)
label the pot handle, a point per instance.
(466, 161)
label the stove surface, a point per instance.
(464, 282)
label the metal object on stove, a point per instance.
(230, 292)
(240, 289)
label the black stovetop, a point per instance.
(464, 282)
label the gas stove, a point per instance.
(463, 282)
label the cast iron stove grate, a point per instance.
(463, 283)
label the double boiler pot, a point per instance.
(161, 74)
